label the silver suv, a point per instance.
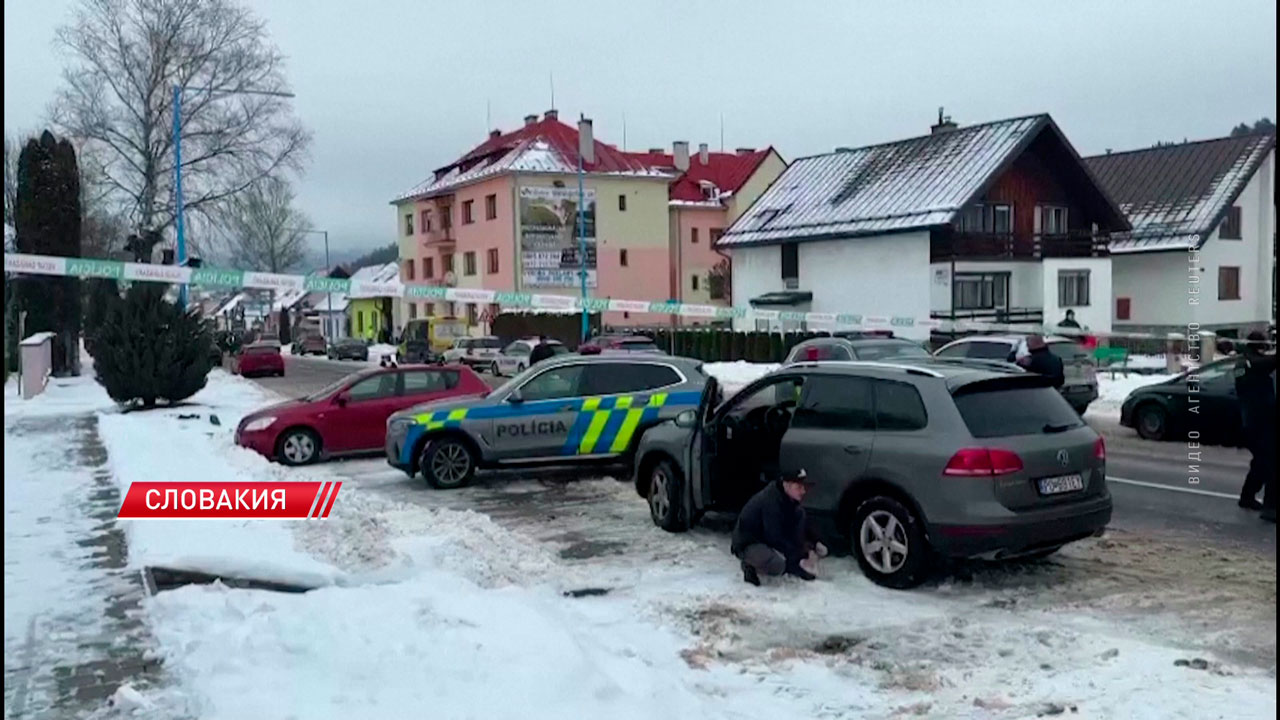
(912, 459)
(1081, 386)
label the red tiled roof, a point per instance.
(562, 137)
(727, 171)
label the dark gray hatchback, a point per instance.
(912, 460)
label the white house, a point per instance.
(999, 222)
(1202, 249)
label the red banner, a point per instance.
(280, 500)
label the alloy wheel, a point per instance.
(451, 464)
(883, 541)
(659, 494)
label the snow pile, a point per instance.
(733, 376)
(1112, 392)
(379, 350)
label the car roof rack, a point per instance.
(906, 367)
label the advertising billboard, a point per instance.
(549, 237)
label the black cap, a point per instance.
(796, 476)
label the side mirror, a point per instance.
(516, 397)
(687, 419)
(342, 399)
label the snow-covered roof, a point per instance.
(911, 184)
(377, 281)
(1176, 195)
(323, 302)
(287, 299)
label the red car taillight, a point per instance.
(1100, 449)
(983, 462)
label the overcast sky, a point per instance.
(395, 88)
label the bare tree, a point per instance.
(11, 150)
(117, 100)
(261, 228)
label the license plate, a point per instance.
(1060, 484)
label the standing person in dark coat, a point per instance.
(1256, 390)
(773, 535)
(1070, 321)
(1040, 360)
(541, 351)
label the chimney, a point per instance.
(586, 141)
(552, 114)
(656, 151)
(680, 150)
(495, 133)
(704, 154)
(944, 124)
(746, 151)
(530, 119)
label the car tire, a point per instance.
(494, 370)
(666, 497)
(1081, 409)
(1151, 421)
(878, 521)
(298, 446)
(447, 463)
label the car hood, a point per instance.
(439, 405)
(276, 409)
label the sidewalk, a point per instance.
(73, 632)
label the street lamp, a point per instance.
(177, 165)
(327, 266)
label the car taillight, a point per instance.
(1100, 449)
(983, 462)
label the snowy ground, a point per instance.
(453, 605)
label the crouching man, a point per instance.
(773, 536)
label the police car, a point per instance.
(566, 410)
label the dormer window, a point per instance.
(709, 190)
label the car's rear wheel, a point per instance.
(494, 370)
(1152, 421)
(447, 463)
(666, 497)
(889, 543)
(298, 447)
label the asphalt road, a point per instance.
(1150, 482)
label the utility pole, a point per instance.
(582, 245)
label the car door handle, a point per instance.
(854, 449)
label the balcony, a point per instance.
(946, 244)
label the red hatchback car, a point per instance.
(260, 358)
(350, 416)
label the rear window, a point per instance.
(487, 343)
(638, 345)
(1068, 351)
(262, 350)
(890, 349)
(1015, 411)
(819, 351)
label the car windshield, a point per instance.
(879, 350)
(638, 345)
(1005, 412)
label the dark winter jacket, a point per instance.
(541, 352)
(1256, 390)
(1069, 324)
(1046, 363)
(773, 518)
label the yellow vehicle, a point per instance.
(425, 339)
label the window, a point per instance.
(413, 311)
(490, 207)
(1014, 411)
(493, 261)
(1073, 288)
(467, 217)
(774, 393)
(1228, 283)
(836, 403)
(899, 407)
(814, 351)
(473, 314)
(622, 203)
(420, 382)
(424, 219)
(468, 263)
(619, 378)
(790, 261)
(1053, 220)
(715, 234)
(559, 382)
(981, 350)
(1232, 228)
(430, 310)
(446, 217)
(518, 347)
(693, 236)
(408, 269)
(1124, 308)
(428, 267)
(382, 385)
(694, 282)
(994, 218)
(451, 309)
(622, 258)
(1002, 219)
(980, 291)
(359, 323)
(408, 224)
(446, 263)
(494, 311)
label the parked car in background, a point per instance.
(1164, 410)
(260, 358)
(475, 352)
(424, 340)
(309, 344)
(867, 349)
(911, 459)
(350, 416)
(348, 349)
(1081, 386)
(514, 358)
(620, 343)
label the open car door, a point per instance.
(702, 448)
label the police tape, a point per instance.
(229, 500)
(211, 277)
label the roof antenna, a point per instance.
(553, 89)
(488, 115)
(722, 132)
(624, 131)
